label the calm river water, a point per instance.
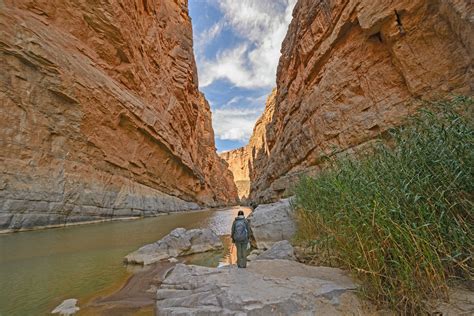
(39, 269)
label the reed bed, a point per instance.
(401, 218)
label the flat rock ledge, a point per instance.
(179, 242)
(266, 287)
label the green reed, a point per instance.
(401, 218)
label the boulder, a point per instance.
(271, 223)
(254, 254)
(280, 250)
(67, 307)
(179, 242)
(266, 287)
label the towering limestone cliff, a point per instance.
(239, 161)
(101, 114)
(350, 70)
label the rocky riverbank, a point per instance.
(273, 283)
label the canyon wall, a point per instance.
(238, 161)
(100, 114)
(350, 70)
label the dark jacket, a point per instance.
(240, 218)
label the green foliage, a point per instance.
(400, 218)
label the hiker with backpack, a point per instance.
(240, 237)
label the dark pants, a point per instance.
(241, 254)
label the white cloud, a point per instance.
(236, 119)
(207, 36)
(234, 123)
(253, 62)
(232, 101)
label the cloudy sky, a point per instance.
(237, 47)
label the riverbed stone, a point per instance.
(179, 242)
(266, 287)
(271, 223)
(67, 307)
(254, 254)
(279, 250)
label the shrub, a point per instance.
(400, 218)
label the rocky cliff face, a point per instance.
(101, 115)
(350, 70)
(238, 161)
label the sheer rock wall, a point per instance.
(101, 115)
(350, 70)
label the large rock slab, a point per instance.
(271, 223)
(279, 250)
(67, 307)
(179, 242)
(266, 287)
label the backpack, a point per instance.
(240, 231)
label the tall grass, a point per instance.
(401, 218)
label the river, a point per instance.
(39, 269)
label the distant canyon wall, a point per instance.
(100, 114)
(350, 70)
(238, 161)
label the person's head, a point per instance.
(240, 213)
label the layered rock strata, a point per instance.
(239, 161)
(349, 71)
(101, 114)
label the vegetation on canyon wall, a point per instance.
(400, 218)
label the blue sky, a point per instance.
(237, 46)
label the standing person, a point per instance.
(240, 237)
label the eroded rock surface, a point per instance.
(279, 250)
(266, 287)
(271, 223)
(239, 162)
(178, 242)
(101, 115)
(349, 71)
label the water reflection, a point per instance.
(39, 269)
